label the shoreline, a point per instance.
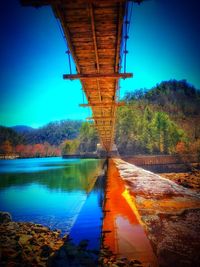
(27, 244)
(18, 157)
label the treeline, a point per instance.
(53, 133)
(147, 132)
(44, 141)
(54, 139)
(8, 134)
(162, 120)
(85, 142)
(30, 151)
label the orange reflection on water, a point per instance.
(123, 232)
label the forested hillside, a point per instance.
(8, 134)
(54, 133)
(44, 141)
(22, 128)
(162, 120)
(165, 119)
(86, 141)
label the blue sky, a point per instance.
(164, 44)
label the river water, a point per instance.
(59, 193)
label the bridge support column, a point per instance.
(113, 152)
(101, 152)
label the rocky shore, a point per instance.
(109, 259)
(25, 244)
(187, 179)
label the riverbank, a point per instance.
(5, 157)
(187, 179)
(9, 156)
(165, 163)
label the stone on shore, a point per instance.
(189, 180)
(27, 244)
(5, 217)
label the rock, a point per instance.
(24, 247)
(120, 263)
(5, 217)
(123, 259)
(46, 251)
(24, 239)
(83, 244)
(40, 229)
(137, 262)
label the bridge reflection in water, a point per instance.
(123, 232)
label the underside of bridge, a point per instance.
(93, 30)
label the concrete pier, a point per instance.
(168, 212)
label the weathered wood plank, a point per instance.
(101, 104)
(98, 76)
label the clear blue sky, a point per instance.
(164, 44)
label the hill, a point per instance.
(9, 134)
(162, 119)
(22, 128)
(42, 142)
(54, 132)
(174, 97)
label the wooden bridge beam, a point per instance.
(99, 105)
(101, 127)
(100, 118)
(97, 76)
(38, 3)
(94, 36)
(117, 61)
(59, 14)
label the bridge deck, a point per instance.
(93, 30)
